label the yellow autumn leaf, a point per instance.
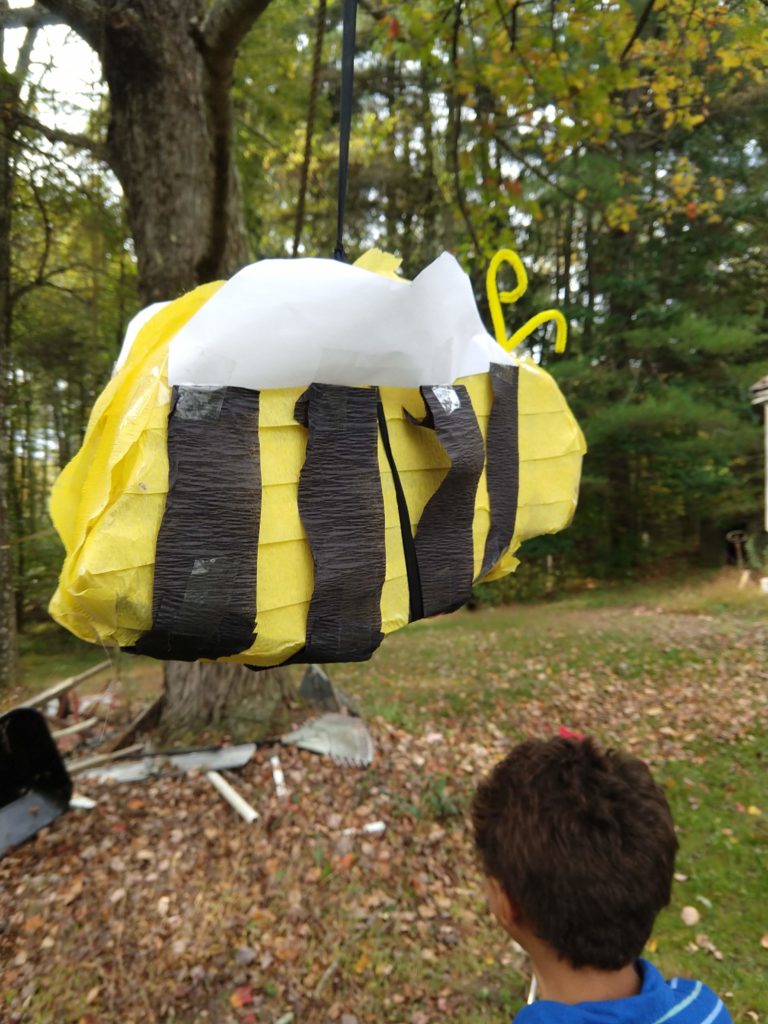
(362, 964)
(728, 59)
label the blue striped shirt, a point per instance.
(678, 1001)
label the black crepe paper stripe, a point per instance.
(342, 510)
(204, 596)
(444, 541)
(416, 603)
(503, 463)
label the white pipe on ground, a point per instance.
(233, 798)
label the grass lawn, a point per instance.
(161, 905)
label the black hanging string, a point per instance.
(345, 119)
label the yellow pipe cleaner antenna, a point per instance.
(561, 335)
(495, 299)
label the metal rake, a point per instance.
(344, 739)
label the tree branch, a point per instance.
(86, 17)
(310, 130)
(27, 17)
(454, 129)
(47, 231)
(25, 52)
(641, 23)
(226, 24)
(94, 146)
(23, 290)
(552, 182)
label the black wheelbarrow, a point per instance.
(34, 785)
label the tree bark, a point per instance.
(170, 145)
(224, 700)
(169, 66)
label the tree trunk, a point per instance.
(7, 597)
(226, 701)
(589, 255)
(170, 145)
(170, 141)
(169, 65)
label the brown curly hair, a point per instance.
(582, 841)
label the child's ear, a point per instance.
(507, 913)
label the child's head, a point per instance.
(581, 843)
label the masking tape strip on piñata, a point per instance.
(204, 596)
(342, 510)
(444, 540)
(503, 463)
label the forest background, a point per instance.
(620, 148)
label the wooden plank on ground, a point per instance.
(81, 726)
(64, 686)
(74, 767)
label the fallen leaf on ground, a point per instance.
(242, 996)
(690, 916)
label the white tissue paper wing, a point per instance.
(133, 328)
(291, 323)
